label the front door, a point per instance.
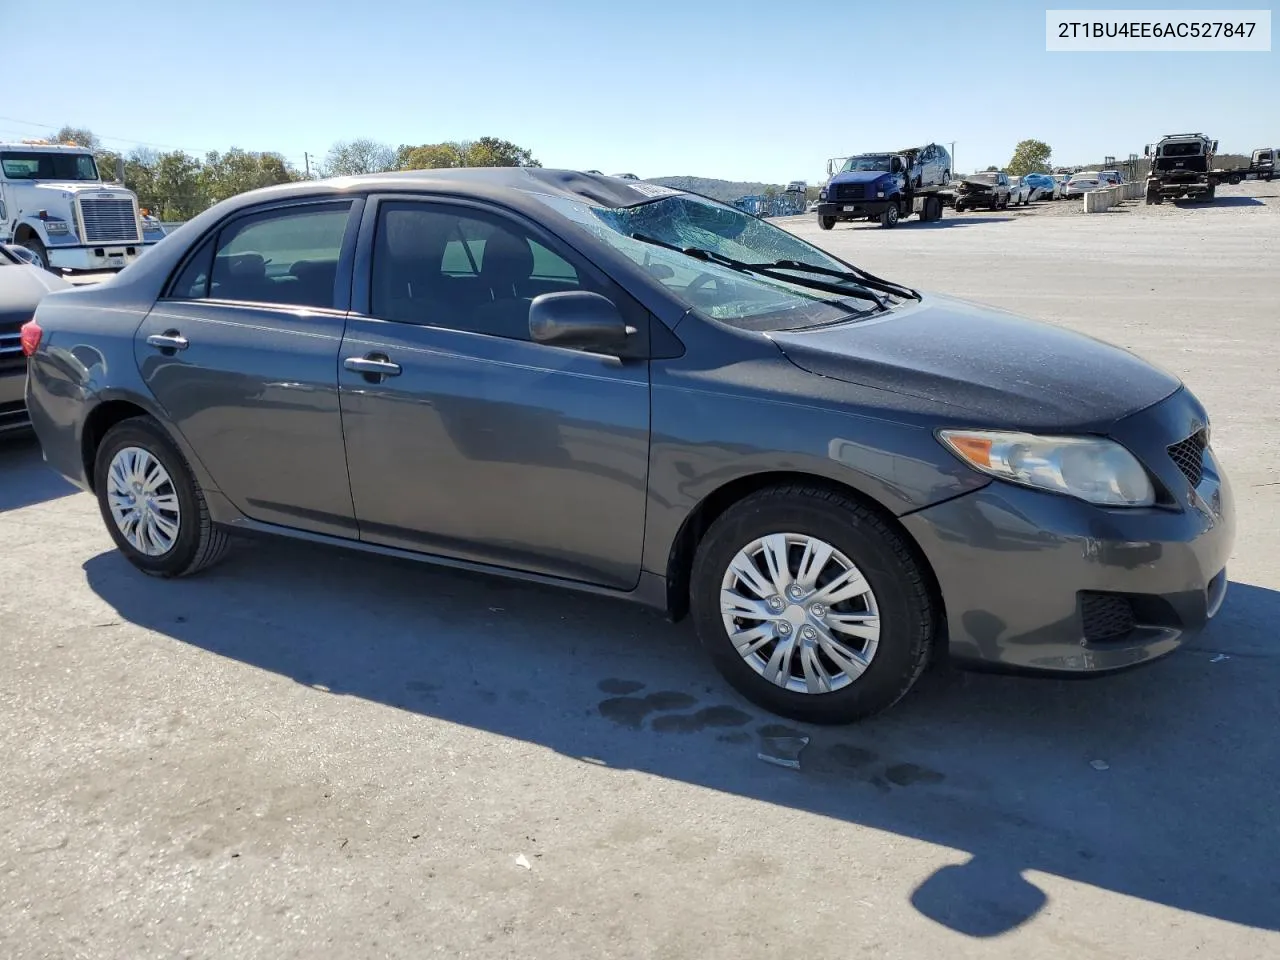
(464, 438)
(242, 354)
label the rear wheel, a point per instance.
(826, 223)
(812, 605)
(151, 503)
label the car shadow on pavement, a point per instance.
(952, 220)
(25, 480)
(1218, 202)
(1158, 783)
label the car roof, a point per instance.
(479, 182)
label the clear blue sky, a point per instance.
(741, 90)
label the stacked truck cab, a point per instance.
(54, 202)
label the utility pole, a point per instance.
(306, 161)
(954, 169)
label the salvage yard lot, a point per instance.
(307, 753)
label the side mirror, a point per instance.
(1146, 150)
(577, 318)
(1215, 146)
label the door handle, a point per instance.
(374, 365)
(169, 340)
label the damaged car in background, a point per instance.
(988, 190)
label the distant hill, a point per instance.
(724, 190)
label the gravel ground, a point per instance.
(315, 754)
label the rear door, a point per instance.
(467, 440)
(242, 354)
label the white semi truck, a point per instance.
(54, 202)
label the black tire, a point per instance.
(908, 620)
(1210, 194)
(36, 246)
(889, 216)
(199, 542)
(826, 223)
(959, 207)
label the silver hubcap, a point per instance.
(143, 501)
(800, 613)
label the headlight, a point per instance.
(822, 194)
(55, 226)
(1091, 468)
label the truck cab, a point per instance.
(1181, 166)
(54, 203)
(1262, 165)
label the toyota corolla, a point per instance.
(616, 387)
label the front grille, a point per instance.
(109, 221)
(851, 191)
(10, 342)
(1188, 456)
(1182, 164)
(1106, 616)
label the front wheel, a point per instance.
(151, 503)
(889, 218)
(37, 247)
(826, 223)
(811, 605)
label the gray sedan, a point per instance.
(616, 387)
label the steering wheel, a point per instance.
(701, 280)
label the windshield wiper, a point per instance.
(856, 275)
(771, 270)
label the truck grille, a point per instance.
(11, 351)
(109, 221)
(1198, 164)
(850, 191)
(1188, 456)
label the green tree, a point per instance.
(492, 152)
(237, 171)
(485, 152)
(78, 135)
(431, 156)
(1030, 156)
(178, 191)
(350, 157)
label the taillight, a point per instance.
(31, 334)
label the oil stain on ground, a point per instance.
(721, 716)
(631, 711)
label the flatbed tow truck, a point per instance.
(886, 187)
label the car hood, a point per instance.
(989, 366)
(860, 176)
(21, 287)
(79, 186)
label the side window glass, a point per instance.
(193, 282)
(461, 270)
(287, 256)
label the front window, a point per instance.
(53, 165)
(1191, 149)
(869, 164)
(744, 300)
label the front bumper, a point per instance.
(1025, 575)
(108, 256)
(13, 405)
(853, 209)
